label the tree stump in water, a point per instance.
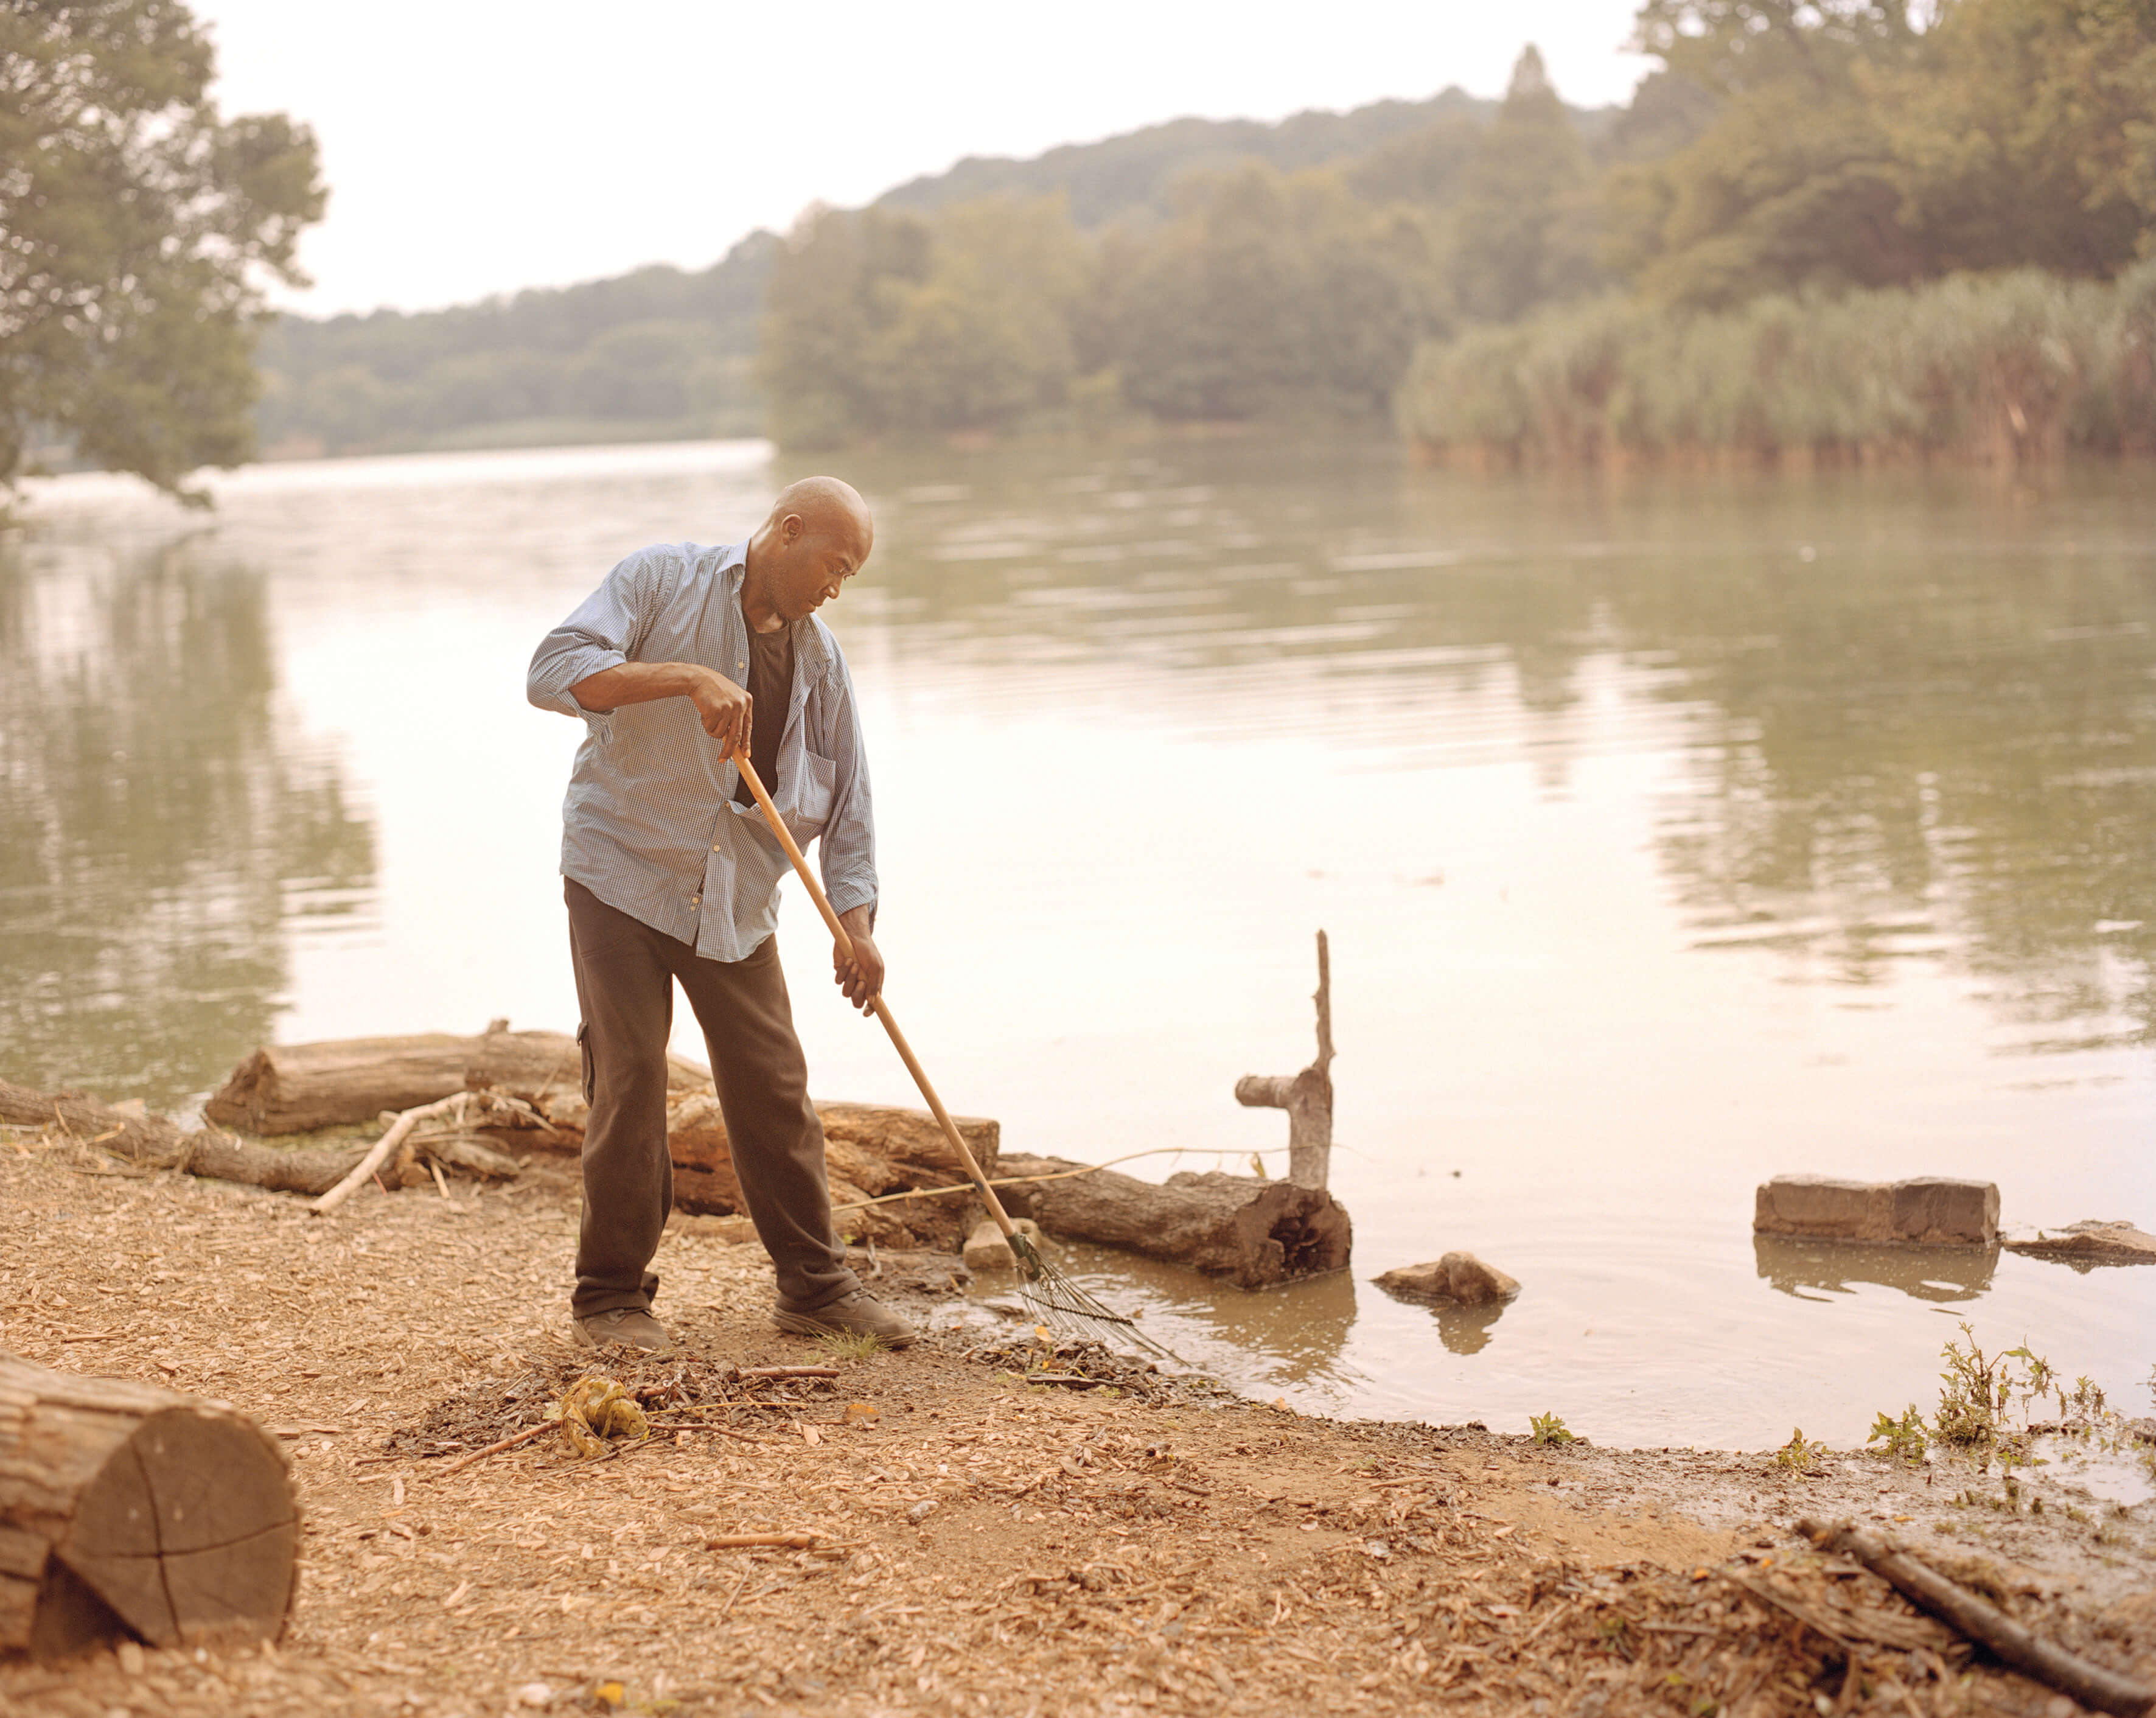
(1256, 1233)
(1308, 1096)
(129, 1511)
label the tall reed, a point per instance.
(2006, 369)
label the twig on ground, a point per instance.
(1991, 1628)
(1795, 1608)
(803, 1541)
(523, 1437)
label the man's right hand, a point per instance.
(726, 710)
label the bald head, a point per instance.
(826, 504)
(816, 537)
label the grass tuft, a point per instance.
(851, 1345)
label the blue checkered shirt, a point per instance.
(650, 825)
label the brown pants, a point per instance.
(625, 976)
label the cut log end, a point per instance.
(130, 1512)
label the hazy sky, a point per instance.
(475, 146)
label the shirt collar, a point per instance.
(813, 644)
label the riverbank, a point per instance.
(988, 1544)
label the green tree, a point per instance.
(1522, 234)
(136, 227)
(880, 322)
(2028, 134)
(1852, 149)
(1266, 293)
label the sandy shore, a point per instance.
(985, 1544)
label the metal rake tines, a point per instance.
(1062, 1306)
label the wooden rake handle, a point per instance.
(882, 1013)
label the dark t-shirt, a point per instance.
(771, 687)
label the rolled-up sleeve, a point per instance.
(607, 628)
(848, 848)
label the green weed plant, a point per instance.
(1906, 1439)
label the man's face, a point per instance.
(814, 565)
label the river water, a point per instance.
(1669, 833)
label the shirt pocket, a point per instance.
(812, 798)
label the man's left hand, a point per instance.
(860, 977)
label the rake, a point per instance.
(1055, 1300)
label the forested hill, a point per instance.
(660, 352)
(665, 352)
(1131, 175)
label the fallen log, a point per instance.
(152, 1142)
(130, 1511)
(2097, 1688)
(869, 1150)
(284, 1089)
(1256, 1233)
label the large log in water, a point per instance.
(128, 1510)
(1256, 1233)
(296, 1088)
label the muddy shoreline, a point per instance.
(987, 1543)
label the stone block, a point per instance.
(1925, 1211)
(1458, 1279)
(986, 1248)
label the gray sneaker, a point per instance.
(857, 1313)
(631, 1325)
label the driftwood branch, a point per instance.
(390, 1141)
(1308, 1096)
(152, 1142)
(2095, 1687)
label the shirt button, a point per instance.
(715, 849)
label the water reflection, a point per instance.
(1927, 749)
(1906, 741)
(1293, 1334)
(1673, 825)
(158, 828)
(1809, 1270)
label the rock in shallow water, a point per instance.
(1459, 1278)
(1929, 1210)
(2091, 1243)
(986, 1248)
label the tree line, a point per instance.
(1827, 156)
(1801, 152)
(1878, 239)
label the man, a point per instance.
(671, 874)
